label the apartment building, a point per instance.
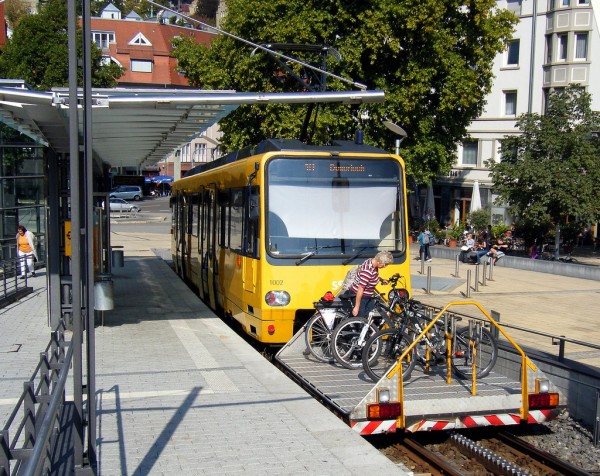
(144, 49)
(551, 48)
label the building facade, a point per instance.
(144, 49)
(551, 48)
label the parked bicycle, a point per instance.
(350, 335)
(472, 346)
(318, 330)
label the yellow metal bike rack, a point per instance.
(525, 362)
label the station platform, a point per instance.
(179, 393)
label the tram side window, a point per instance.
(223, 224)
(190, 212)
(174, 218)
(236, 213)
(195, 213)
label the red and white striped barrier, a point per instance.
(501, 419)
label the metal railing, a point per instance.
(26, 444)
(10, 284)
(560, 341)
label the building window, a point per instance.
(562, 47)
(141, 66)
(470, 150)
(581, 42)
(140, 40)
(548, 48)
(514, 6)
(184, 155)
(23, 167)
(103, 38)
(545, 95)
(565, 3)
(510, 103)
(512, 53)
(200, 152)
(583, 2)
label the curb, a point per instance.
(581, 271)
(137, 220)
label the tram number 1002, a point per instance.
(276, 282)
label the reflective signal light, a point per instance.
(542, 385)
(383, 395)
(543, 400)
(271, 329)
(383, 411)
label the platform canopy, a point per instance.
(137, 127)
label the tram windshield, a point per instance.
(334, 207)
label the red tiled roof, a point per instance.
(160, 36)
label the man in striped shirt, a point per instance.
(367, 277)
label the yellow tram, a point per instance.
(264, 232)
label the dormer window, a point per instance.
(103, 38)
(140, 40)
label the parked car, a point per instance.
(120, 205)
(127, 192)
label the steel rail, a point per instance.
(563, 467)
(432, 458)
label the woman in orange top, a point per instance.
(26, 250)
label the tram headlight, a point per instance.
(277, 298)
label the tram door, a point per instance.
(251, 238)
(180, 237)
(208, 252)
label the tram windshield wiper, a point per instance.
(357, 255)
(314, 252)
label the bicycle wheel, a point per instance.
(318, 338)
(486, 354)
(381, 352)
(348, 339)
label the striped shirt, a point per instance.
(367, 276)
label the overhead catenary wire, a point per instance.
(258, 46)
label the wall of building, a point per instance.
(537, 71)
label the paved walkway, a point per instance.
(179, 393)
(24, 333)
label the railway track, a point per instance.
(493, 453)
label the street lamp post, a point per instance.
(395, 128)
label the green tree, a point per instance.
(549, 172)
(207, 8)
(480, 219)
(38, 52)
(433, 59)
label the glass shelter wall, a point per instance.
(22, 190)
